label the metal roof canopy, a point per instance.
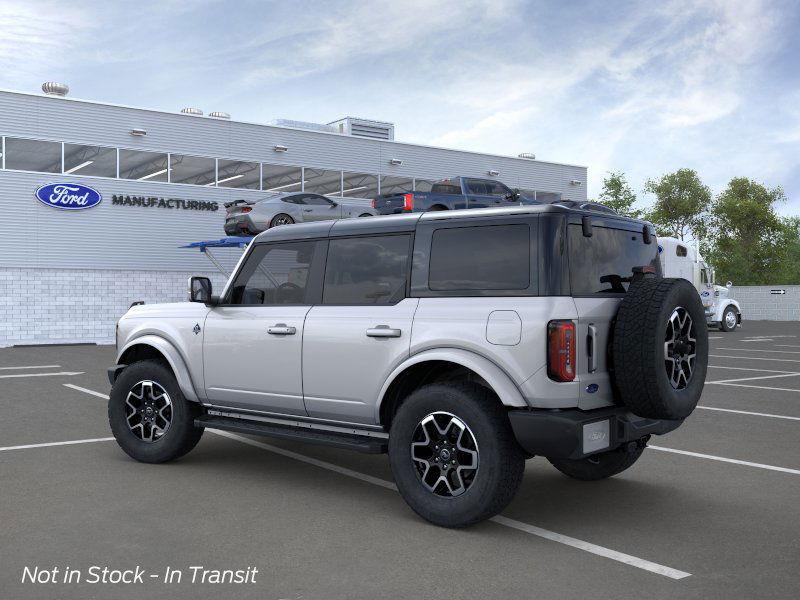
(239, 241)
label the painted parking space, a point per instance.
(679, 523)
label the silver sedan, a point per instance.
(245, 217)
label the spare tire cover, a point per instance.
(660, 348)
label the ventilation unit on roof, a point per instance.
(527, 155)
(51, 88)
(219, 115)
(192, 111)
(376, 130)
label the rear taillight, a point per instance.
(408, 202)
(246, 209)
(373, 203)
(561, 350)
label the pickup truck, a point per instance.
(452, 194)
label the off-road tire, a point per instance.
(723, 324)
(501, 462)
(598, 466)
(638, 348)
(179, 438)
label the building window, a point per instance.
(96, 161)
(424, 185)
(360, 185)
(144, 166)
(194, 170)
(280, 178)
(321, 181)
(237, 174)
(33, 155)
(396, 185)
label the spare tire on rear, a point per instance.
(660, 348)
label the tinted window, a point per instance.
(196, 170)
(238, 174)
(476, 186)
(681, 251)
(360, 185)
(495, 257)
(604, 263)
(274, 274)
(444, 187)
(280, 178)
(144, 166)
(495, 188)
(315, 200)
(368, 270)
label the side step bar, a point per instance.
(359, 443)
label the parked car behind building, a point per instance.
(249, 217)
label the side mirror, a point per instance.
(200, 289)
(729, 285)
(334, 204)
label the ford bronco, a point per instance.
(460, 342)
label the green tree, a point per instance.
(750, 243)
(617, 194)
(681, 204)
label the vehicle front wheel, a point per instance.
(600, 466)
(149, 417)
(453, 454)
(281, 219)
(729, 320)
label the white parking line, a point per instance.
(748, 369)
(759, 350)
(747, 412)
(727, 460)
(753, 378)
(66, 373)
(86, 391)
(787, 346)
(49, 444)
(501, 520)
(31, 367)
(754, 358)
(759, 387)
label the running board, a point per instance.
(359, 443)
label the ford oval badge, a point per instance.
(68, 196)
(592, 388)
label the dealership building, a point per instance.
(161, 180)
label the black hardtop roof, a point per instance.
(407, 223)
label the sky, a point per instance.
(639, 87)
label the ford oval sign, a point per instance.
(68, 196)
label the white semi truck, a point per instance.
(679, 259)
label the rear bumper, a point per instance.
(576, 433)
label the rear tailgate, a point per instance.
(391, 204)
(599, 266)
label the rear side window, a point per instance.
(446, 187)
(367, 270)
(604, 263)
(494, 257)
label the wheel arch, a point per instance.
(438, 365)
(153, 347)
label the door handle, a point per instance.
(383, 331)
(282, 329)
(308, 209)
(591, 348)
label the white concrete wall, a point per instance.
(66, 306)
(760, 304)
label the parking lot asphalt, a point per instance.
(709, 511)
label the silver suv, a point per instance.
(462, 343)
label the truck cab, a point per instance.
(679, 259)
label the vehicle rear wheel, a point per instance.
(453, 454)
(660, 348)
(281, 219)
(729, 319)
(600, 466)
(149, 417)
